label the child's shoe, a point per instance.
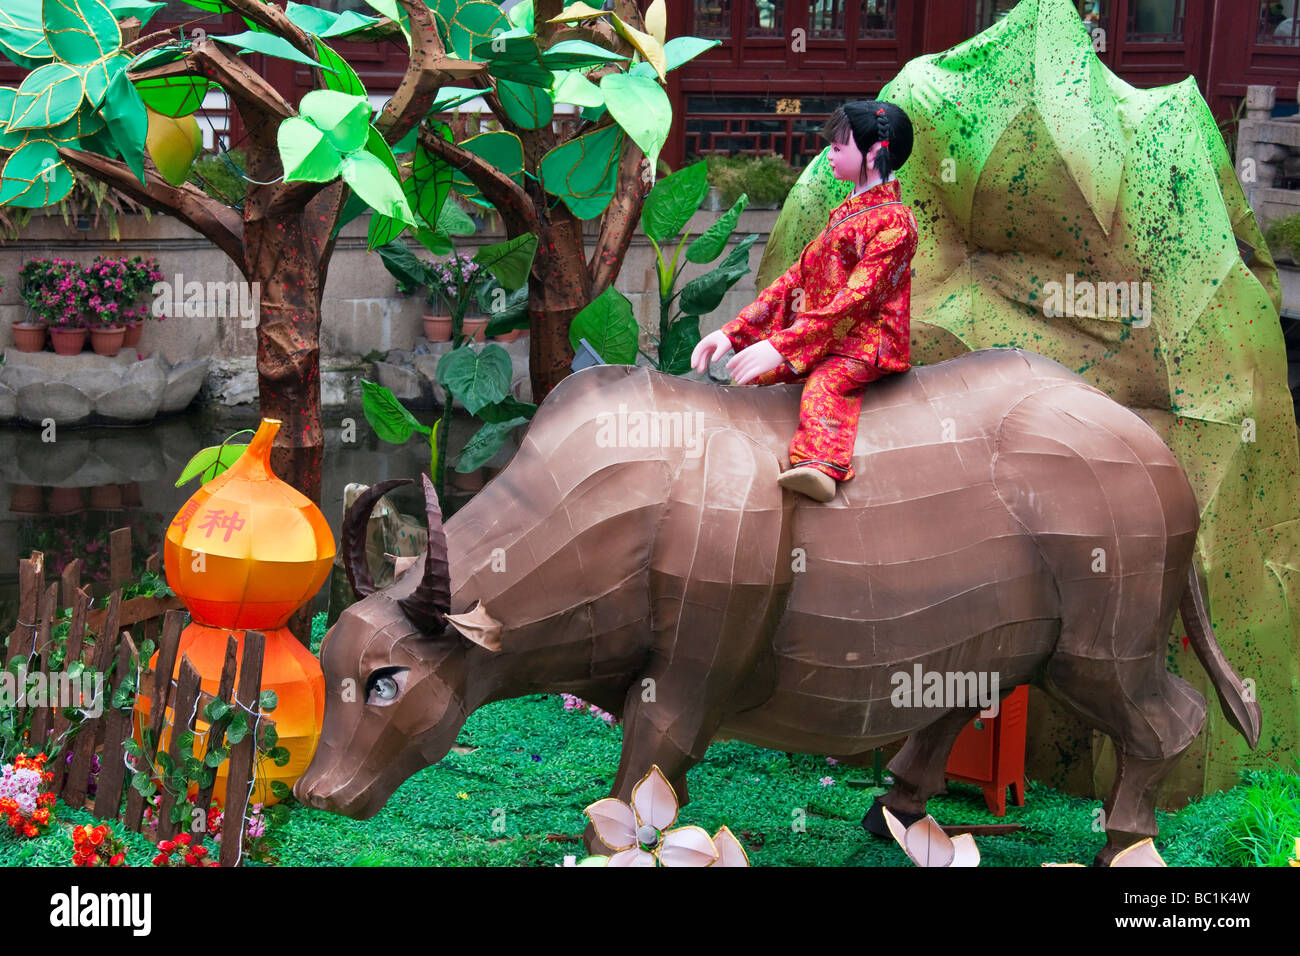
(808, 481)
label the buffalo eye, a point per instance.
(385, 685)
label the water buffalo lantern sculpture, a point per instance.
(1007, 518)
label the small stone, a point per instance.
(183, 383)
(63, 403)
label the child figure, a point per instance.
(840, 317)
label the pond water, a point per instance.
(65, 497)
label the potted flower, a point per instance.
(115, 288)
(64, 304)
(29, 334)
(139, 276)
(456, 284)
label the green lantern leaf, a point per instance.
(449, 96)
(509, 261)
(709, 244)
(454, 221)
(376, 184)
(47, 97)
(305, 153)
(473, 23)
(485, 443)
(438, 244)
(327, 23)
(86, 122)
(343, 118)
(22, 34)
(142, 10)
(572, 87)
(34, 176)
(529, 74)
(583, 172)
(173, 95)
(216, 6)
(502, 149)
(478, 378)
(390, 419)
(642, 108)
(159, 56)
(521, 15)
(677, 51)
(431, 180)
(80, 31)
(96, 76)
(339, 75)
(268, 44)
(572, 54)
(509, 46)
(673, 201)
(207, 463)
(609, 325)
(526, 106)
(676, 348)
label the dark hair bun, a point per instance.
(874, 121)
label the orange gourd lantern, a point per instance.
(244, 553)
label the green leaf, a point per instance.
(305, 153)
(507, 409)
(47, 97)
(573, 87)
(268, 700)
(431, 181)
(572, 54)
(277, 815)
(268, 44)
(516, 45)
(22, 35)
(527, 106)
(529, 74)
(521, 15)
(339, 74)
(485, 443)
(166, 763)
(709, 244)
(186, 740)
(80, 31)
(402, 264)
(673, 201)
(216, 710)
(327, 23)
(343, 118)
(584, 171)
(159, 56)
(473, 24)
(704, 293)
(279, 756)
(210, 462)
(512, 313)
(373, 182)
(173, 95)
(96, 76)
(128, 122)
(280, 790)
(132, 748)
(454, 221)
(609, 325)
(214, 758)
(642, 108)
(500, 148)
(34, 176)
(143, 784)
(142, 10)
(390, 419)
(738, 257)
(270, 737)
(677, 51)
(477, 378)
(448, 97)
(509, 261)
(238, 728)
(437, 244)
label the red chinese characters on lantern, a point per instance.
(216, 519)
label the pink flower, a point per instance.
(827, 781)
(832, 761)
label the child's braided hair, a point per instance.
(871, 122)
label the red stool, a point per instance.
(990, 752)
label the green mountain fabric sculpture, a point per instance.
(1041, 182)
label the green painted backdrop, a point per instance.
(1033, 161)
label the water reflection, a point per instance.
(65, 497)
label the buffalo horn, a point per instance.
(426, 606)
(354, 536)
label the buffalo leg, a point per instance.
(918, 771)
(725, 510)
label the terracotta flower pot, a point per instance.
(131, 495)
(510, 336)
(27, 500)
(106, 497)
(475, 328)
(437, 328)
(66, 501)
(107, 341)
(29, 336)
(68, 341)
(133, 333)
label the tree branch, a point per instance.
(219, 223)
(273, 18)
(619, 222)
(515, 205)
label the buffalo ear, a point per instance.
(478, 626)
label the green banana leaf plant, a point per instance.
(608, 323)
(107, 99)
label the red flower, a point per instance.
(97, 835)
(167, 846)
(118, 860)
(184, 839)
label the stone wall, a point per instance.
(363, 317)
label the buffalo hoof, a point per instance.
(874, 821)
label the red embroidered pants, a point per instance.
(828, 412)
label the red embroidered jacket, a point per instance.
(856, 283)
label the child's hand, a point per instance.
(711, 348)
(752, 362)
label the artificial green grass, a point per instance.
(525, 769)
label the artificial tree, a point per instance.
(83, 108)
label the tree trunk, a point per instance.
(559, 288)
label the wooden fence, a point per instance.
(98, 640)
